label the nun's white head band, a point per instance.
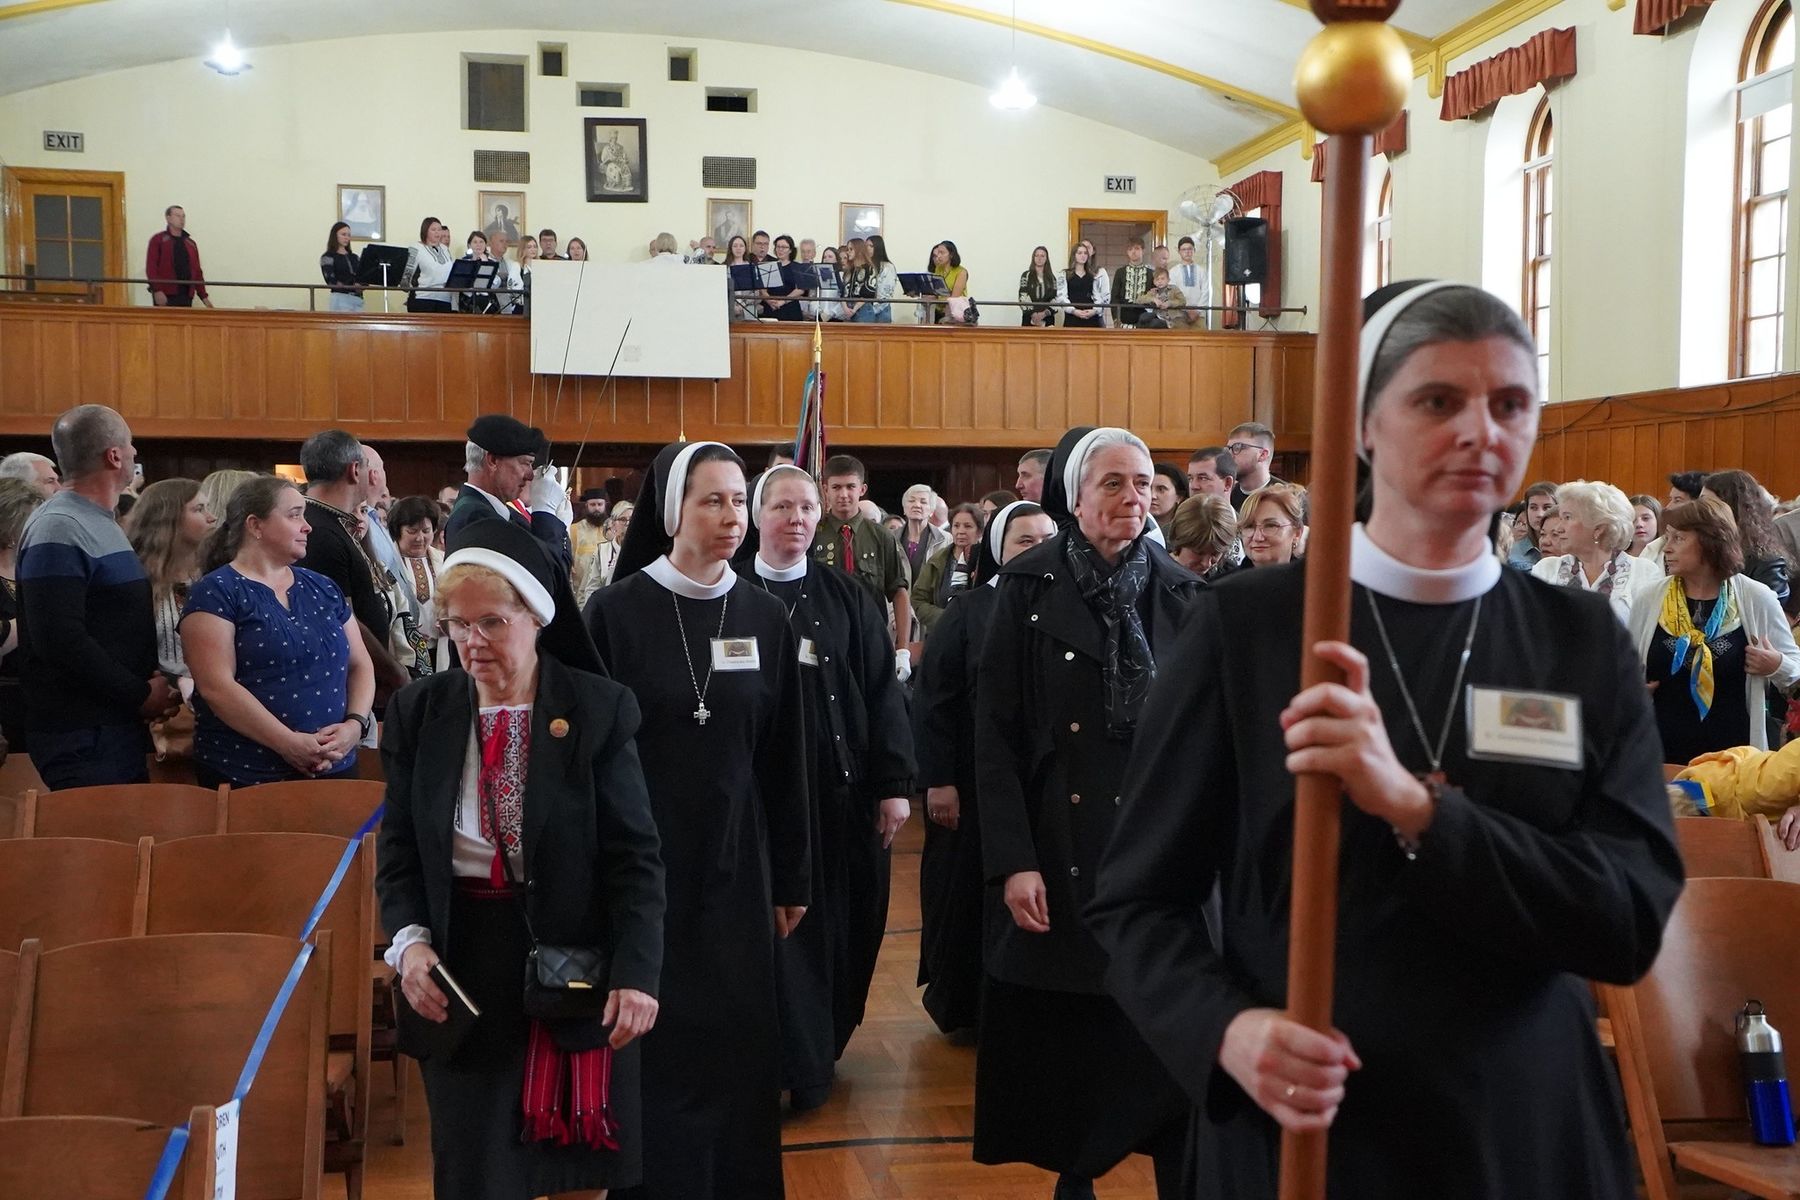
(1079, 455)
(1374, 332)
(675, 489)
(534, 594)
(763, 481)
(996, 530)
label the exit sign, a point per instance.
(56, 139)
(1121, 183)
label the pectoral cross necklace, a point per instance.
(700, 689)
(1434, 754)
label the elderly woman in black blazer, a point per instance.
(548, 774)
(1062, 1079)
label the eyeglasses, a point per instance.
(1240, 447)
(1268, 528)
(458, 630)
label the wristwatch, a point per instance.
(365, 722)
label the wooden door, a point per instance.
(64, 229)
(1110, 229)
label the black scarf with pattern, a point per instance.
(1113, 595)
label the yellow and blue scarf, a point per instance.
(1675, 619)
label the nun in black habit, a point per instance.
(1062, 1079)
(1489, 867)
(714, 667)
(952, 890)
(861, 776)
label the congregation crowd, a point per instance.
(688, 729)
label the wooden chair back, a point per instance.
(1675, 1029)
(66, 890)
(100, 1158)
(267, 883)
(1719, 846)
(11, 806)
(162, 811)
(334, 806)
(142, 1027)
(1784, 864)
(9, 987)
(18, 776)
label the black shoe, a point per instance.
(1073, 1187)
(806, 1099)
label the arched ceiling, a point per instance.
(1204, 76)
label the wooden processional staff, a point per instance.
(1351, 81)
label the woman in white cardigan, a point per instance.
(1712, 638)
(1596, 521)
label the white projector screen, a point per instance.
(678, 315)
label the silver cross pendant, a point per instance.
(701, 713)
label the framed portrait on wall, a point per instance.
(859, 221)
(617, 158)
(503, 212)
(363, 206)
(726, 219)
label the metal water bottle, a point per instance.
(1765, 1077)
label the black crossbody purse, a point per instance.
(561, 982)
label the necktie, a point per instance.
(848, 538)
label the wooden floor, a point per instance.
(898, 1123)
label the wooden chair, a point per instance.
(268, 883)
(1784, 864)
(9, 985)
(100, 1158)
(143, 1027)
(334, 806)
(162, 811)
(18, 776)
(66, 890)
(10, 808)
(1719, 846)
(1677, 1044)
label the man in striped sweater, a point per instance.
(85, 625)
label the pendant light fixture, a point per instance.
(1012, 95)
(227, 58)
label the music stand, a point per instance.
(744, 278)
(381, 264)
(923, 283)
(468, 276)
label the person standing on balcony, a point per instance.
(173, 264)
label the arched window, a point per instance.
(1384, 232)
(1765, 125)
(1540, 148)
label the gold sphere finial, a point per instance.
(1353, 76)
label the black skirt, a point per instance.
(474, 1097)
(1070, 320)
(1064, 1082)
(951, 895)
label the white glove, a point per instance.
(903, 664)
(548, 496)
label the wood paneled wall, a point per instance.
(1635, 441)
(177, 373)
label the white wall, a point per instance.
(1621, 171)
(256, 159)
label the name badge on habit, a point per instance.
(809, 652)
(735, 654)
(1531, 727)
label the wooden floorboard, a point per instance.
(897, 1124)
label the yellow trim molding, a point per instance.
(1472, 33)
(31, 8)
(1230, 91)
(1262, 145)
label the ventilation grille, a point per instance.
(502, 166)
(718, 172)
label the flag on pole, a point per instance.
(809, 438)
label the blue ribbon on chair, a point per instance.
(164, 1175)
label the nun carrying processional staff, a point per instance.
(953, 895)
(1062, 1079)
(1505, 837)
(861, 777)
(714, 667)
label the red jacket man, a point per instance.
(175, 256)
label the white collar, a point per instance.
(1381, 572)
(780, 574)
(665, 573)
(500, 506)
